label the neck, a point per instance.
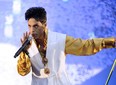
(42, 41)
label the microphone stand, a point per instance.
(111, 71)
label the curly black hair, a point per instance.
(38, 13)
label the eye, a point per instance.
(36, 26)
(29, 26)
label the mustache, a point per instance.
(34, 32)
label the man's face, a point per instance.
(36, 28)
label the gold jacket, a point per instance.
(72, 46)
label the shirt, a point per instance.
(74, 46)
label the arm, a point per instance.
(87, 47)
(23, 64)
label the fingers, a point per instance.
(21, 40)
(25, 36)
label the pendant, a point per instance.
(47, 71)
(44, 73)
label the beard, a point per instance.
(38, 35)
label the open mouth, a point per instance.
(34, 35)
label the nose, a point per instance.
(32, 30)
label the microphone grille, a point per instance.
(30, 37)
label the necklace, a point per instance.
(42, 50)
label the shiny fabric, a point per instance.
(56, 61)
(87, 47)
(72, 46)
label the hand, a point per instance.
(25, 36)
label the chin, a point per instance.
(35, 38)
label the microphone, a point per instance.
(22, 48)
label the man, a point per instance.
(47, 50)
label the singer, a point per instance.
(48, 50)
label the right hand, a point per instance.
(23, 39)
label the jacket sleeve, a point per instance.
(23, 64)
(87, 47)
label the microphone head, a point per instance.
(30, 37)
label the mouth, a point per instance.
(34, 35)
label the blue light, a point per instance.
(65, 0)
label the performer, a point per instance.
(48, 50)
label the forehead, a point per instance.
(32, 21)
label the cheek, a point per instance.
(30, 30)
(40, 30)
